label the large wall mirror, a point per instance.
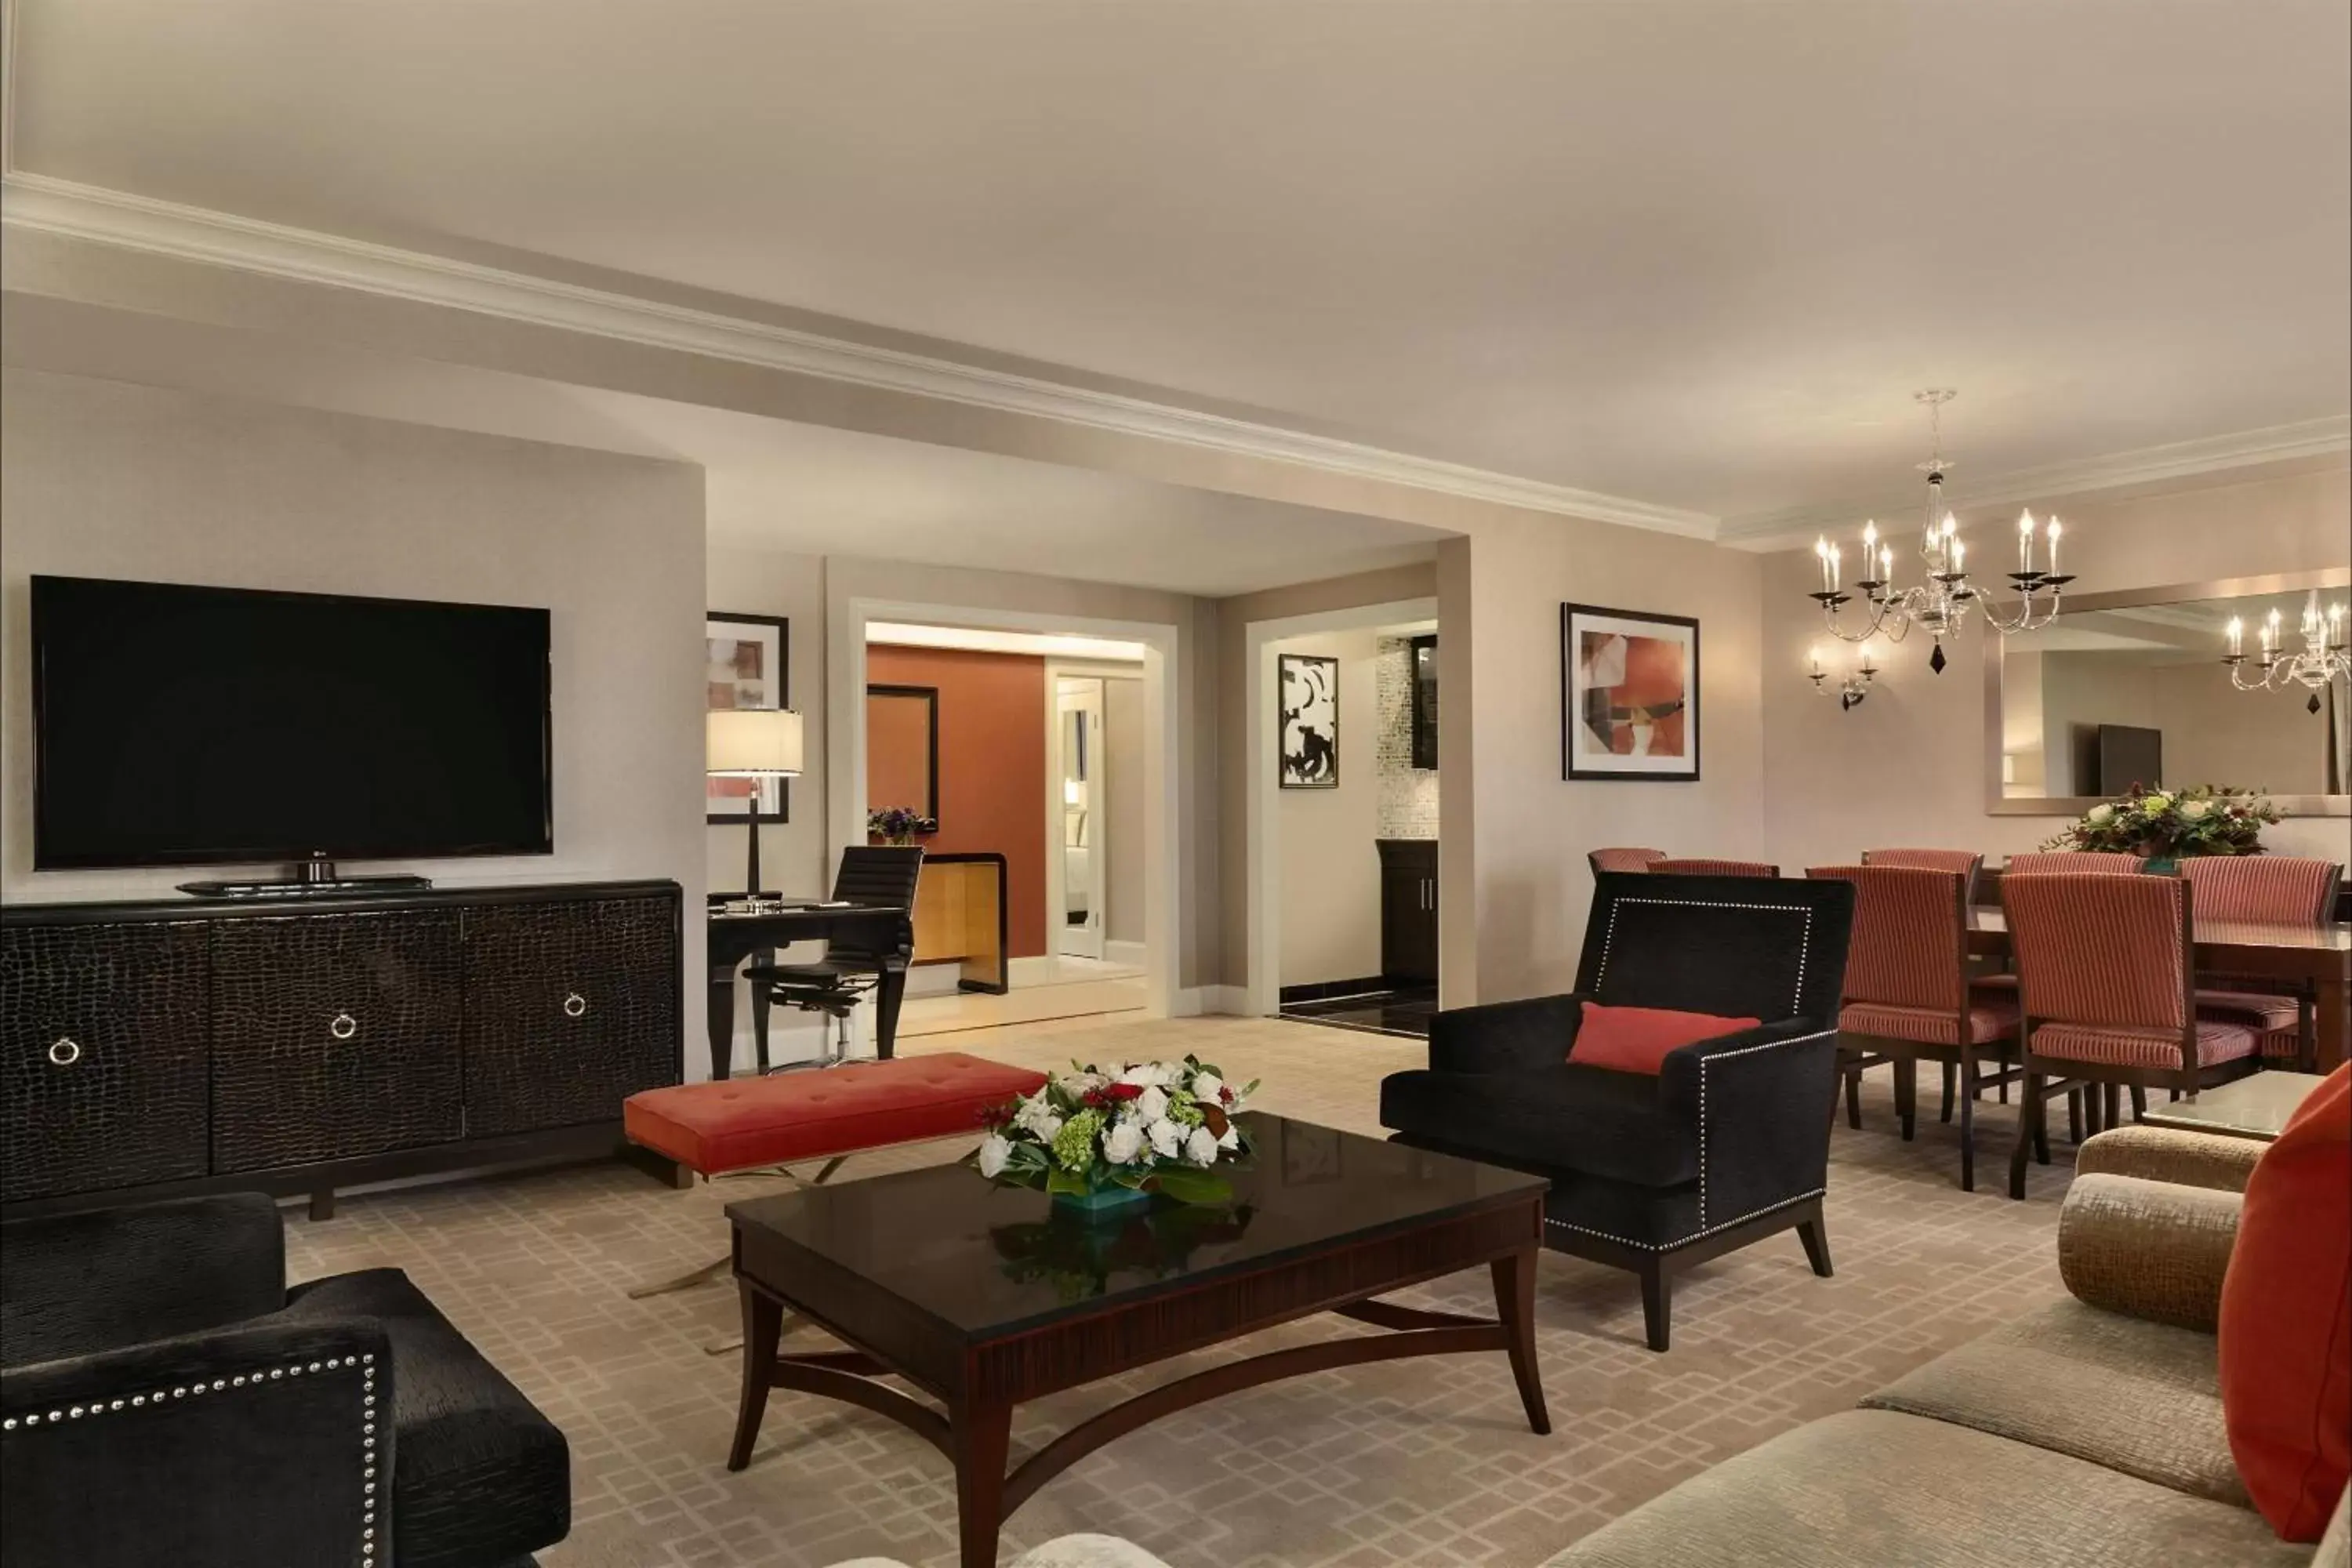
(902, 749)
(2131, 686)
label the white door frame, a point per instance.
(845, 758)
(1264, 792)
(1088, 942)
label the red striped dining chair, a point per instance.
(1623, 859)
(2074, 862)
(2107, 986)
(1671, 868)
(2269, 889)
(1906, 992)
(2058, 863)
(1966, 862)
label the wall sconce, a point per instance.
(1851, 687)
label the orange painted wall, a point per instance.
(991, 766)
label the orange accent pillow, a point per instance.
(1636, 1039)
(2286, 1319)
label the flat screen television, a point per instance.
(2128, 755)
(182, 726)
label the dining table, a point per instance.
(2316, 955)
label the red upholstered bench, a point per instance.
(734, 1123)
(739, 1124)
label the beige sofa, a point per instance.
(2087, 1431)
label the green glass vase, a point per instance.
(1102, 1202)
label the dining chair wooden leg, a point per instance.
(2004, 1075)
(1853, 1098)
(2111, 1110)
(2139, 1102)
(1951, 1077)
(1968, 1070)
(2039, 1099)
(1906, 1094)
(2074, 1116)
(2028, 1114)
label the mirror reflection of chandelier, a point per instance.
(2325, 656)
(1942, 600)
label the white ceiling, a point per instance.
(769, 484)
(1698, 254)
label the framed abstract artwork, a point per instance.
(1309, 732)
(748, 665)
(1629, 694)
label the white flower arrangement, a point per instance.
(1148, 1126)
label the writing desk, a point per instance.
(886, 931)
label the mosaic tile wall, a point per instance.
(1408, 802)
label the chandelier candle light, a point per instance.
(2324, 657)
(1941, 601)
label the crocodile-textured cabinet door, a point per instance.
(570, 1009)
(101, 1056)
(334, 1036)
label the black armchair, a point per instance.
(163, 1398)
(1727, 1144)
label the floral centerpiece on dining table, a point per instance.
(2166, 825)
(1098, 1138)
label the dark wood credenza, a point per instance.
(170, 1046)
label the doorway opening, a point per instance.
(1026, 753)
(1343, 818)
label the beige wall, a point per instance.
(2215, 733)
(778, 583)
(1330, 874)
(102, 478)
(1908, 766)
(1514, 882)
(1123, 774)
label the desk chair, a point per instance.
(876, 875)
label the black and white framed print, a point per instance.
(748, 665)
(1629, 694)
(1310, 730)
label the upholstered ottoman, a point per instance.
(741, 1124)
(732, 1124)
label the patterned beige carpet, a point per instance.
(1424, 1462)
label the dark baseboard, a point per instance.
(1323, 990)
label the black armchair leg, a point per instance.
(1814, 1234)
(1657, 1303)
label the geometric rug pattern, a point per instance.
(1426, 1462)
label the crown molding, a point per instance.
(2149, 465)
(37, 203)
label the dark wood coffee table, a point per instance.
(981, 1296)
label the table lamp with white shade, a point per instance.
(753, 743)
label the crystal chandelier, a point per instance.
(1942, 600)
(2325, 656)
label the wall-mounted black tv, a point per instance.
(2129, 754)
(181, 726)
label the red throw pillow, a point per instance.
(2286, 1319)
(1636, 1039)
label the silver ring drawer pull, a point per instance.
(343, 1026)
(576, 1005)
(65, 1051)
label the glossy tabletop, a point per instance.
(2336, 937)
(986, 1260)
(2256, 1107)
